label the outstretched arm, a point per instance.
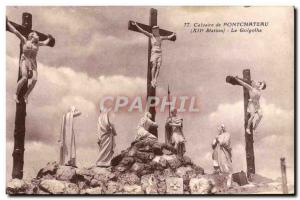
(152, 123)
(15, 31)
(141, 30)
(246, 85)
(76, 113)
(45, 42)
(168, 37)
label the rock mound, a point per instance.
(146, 167)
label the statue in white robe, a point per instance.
(144, 126)
(67, 138)
(222, 157)
(106, 140)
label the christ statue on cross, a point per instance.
(28, 64)
(253, 108)
(156, 51)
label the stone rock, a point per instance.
(127, 161)
(132, 189)
(52, 186)
(183, 171)
(50, 169)
(144, 156)
(16, 186)
(83, 174)
(174, 185)
(172, 161)
(121, 168)
(149, 184)
(157, 148)
(160, 161)
(186, 160)
(96, 190)
(200, 186)
(112, 187)
(95, 183)
(33, 186)
(71, 188)
(116, 160)
(168, 173)
(162, 187)
(147, 170)
(102, 174)
(65, 173)
(129, 179)
(167, 152)
(198, 170)
(137, 167)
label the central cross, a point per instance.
(151, 91)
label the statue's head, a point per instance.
(72, 108)
(261, 85)
(174, 112)
(148, 115)
(155, 30)
(33, 36)
(221, 128)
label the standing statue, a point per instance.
(222, 157)
(143, 128)
(28, 64)
(156, 51)
(67, 138)
(175, 135)
(253, 105)
(106, 139)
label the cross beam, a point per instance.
(248, 137)
(19, 131)
(151, 92)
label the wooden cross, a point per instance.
(248, 137)
(19, 131)
(151, 92)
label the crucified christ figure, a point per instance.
(156, 51)
(253, 105)
(28, 64)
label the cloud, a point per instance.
(59, 88)
(275, 137)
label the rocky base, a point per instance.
(146, 167)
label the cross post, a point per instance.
(248, 137)
(19, 131)
(151, 91)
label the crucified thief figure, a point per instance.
(253, 105)
(28, 64)
(156, 51)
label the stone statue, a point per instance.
(174, 124)
(67, 138)
(156, 51)
(28, 64)
(222, 158)
(106, 139)
(253, 105)
(143, 128)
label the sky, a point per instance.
(95, 55)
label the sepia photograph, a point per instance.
(150, 100)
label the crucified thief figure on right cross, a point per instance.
(253, 108)
(156, 52)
